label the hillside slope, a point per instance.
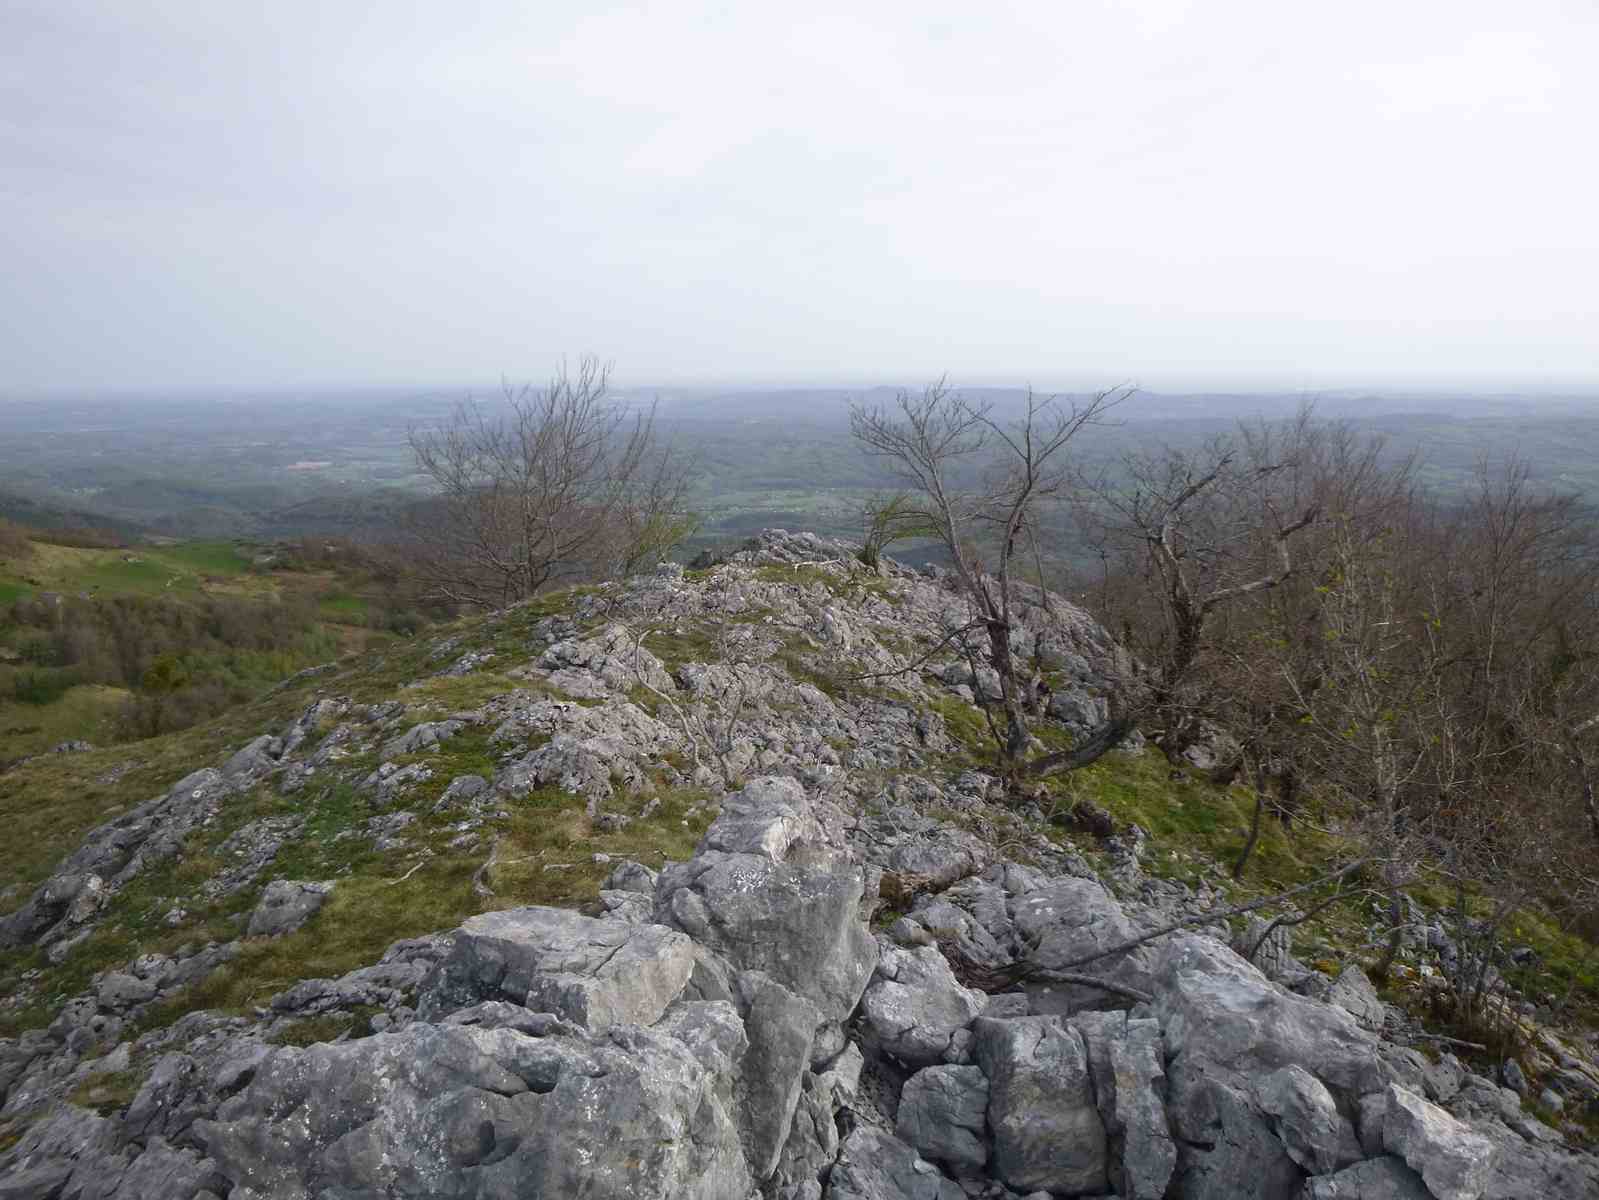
(687, 886)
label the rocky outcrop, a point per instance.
(749, 1022)
(717, 1051)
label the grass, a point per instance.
(547, 854)
(545, 850)
(107, 1094)
(328, 1027)
(48, 803)
(88, 712)
(1196, 820)
(343, 607)
(184, 567)
(215, 558)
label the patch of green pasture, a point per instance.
(1192, 816)
(343, 606)
(213, 558)
(88, 712)
(140, 574)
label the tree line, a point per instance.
(182, 660)
(1420, 674)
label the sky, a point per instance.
(1081, 192)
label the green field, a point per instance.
(85, 713)
(190, 574)
(343, 607)
(137, 570)
(212, 558)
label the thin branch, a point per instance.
(1049, 975)
(1290, 918)
(1214, 917)
(969, 627)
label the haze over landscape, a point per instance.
(1182, 195)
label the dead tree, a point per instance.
(975, 482)
(550, 485)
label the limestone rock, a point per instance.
(1353, 993)
(943, 1113)
(873, 1165)
(795, 918)
(781, 1027)
(1065, 920)
(1454, 1160)
(285, 905)
(1047, 1131)
(913, 1007)
(1384, 1178)
(593, 973)
(452, 1111)
(1306, 1119)
(1126, 1060)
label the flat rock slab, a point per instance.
(593, 973)
(1374, 1179)
(454, 1113)
(943, 1112)
(873, 1165)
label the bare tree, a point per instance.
(1212, 526)
(976, 483)
(1210, 557)
(560, 482)
(1453, 667)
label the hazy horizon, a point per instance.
(1236, 197)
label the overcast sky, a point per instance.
(212, 192)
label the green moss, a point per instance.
(1196, 818)
(327, 1027)
(107, 1094)
(966, 724)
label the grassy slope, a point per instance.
(181, 569)
(546, 847)
(85, 713)
(139, 570)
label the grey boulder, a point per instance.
(943, 1113)
(594, 973)
(1454, 1160)
(873, 1165)
(1384, 1178)
(1046, 1128)
(767, 894)
(1307, 1121)
(285, 905)
(461, 1111)
(913, 1007)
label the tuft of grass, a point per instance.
(966, 724)
(328, 1027)
(107, 1094)
(343, 607)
